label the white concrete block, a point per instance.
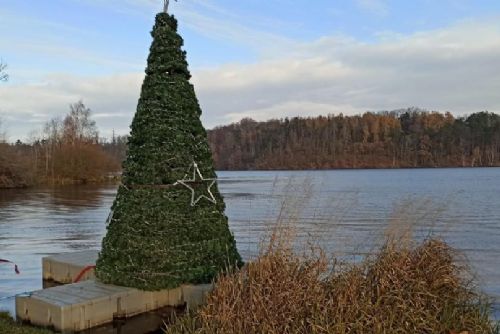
(75, 307)
(64, 268)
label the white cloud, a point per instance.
(210, 20)
(28, 106)
(291, 109)
(448, 69)
(454, 68)
(376, 7)
(265, 43)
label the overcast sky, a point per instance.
(251, 58)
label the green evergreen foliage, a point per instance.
(155, 238)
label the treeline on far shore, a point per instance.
(408, 138)
(69, 150)
(66, 151)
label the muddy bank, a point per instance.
(10, 180)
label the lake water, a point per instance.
(346, 211)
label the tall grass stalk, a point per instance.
(404, 287)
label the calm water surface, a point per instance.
(346, 211)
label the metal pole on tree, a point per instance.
(165, 5)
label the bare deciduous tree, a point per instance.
(3, 135)
(78, 126)
(52, 135)
(3, 75)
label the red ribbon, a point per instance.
(83, 272)
(16, 269)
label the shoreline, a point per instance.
(60, 184)
(116, 179)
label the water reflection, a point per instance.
(44, 221)
(346, 211)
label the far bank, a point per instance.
(408, 138)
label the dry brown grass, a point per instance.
(294, 288)
(401, 289)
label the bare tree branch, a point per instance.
(3, 134)
(3, 76)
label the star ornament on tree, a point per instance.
(196, 180)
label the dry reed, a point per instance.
(401, 289)
(404, 287)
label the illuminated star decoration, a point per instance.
(197, 179)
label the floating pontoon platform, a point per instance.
(88, 304)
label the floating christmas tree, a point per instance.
(167, 225)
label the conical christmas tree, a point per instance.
(167, 225)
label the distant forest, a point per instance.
(66, 150)
(406, 138)
(69, 149)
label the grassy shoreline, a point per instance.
(11, 185)
(9, 326)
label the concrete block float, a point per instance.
(88, 304)
(80, 306)
(65, 268)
